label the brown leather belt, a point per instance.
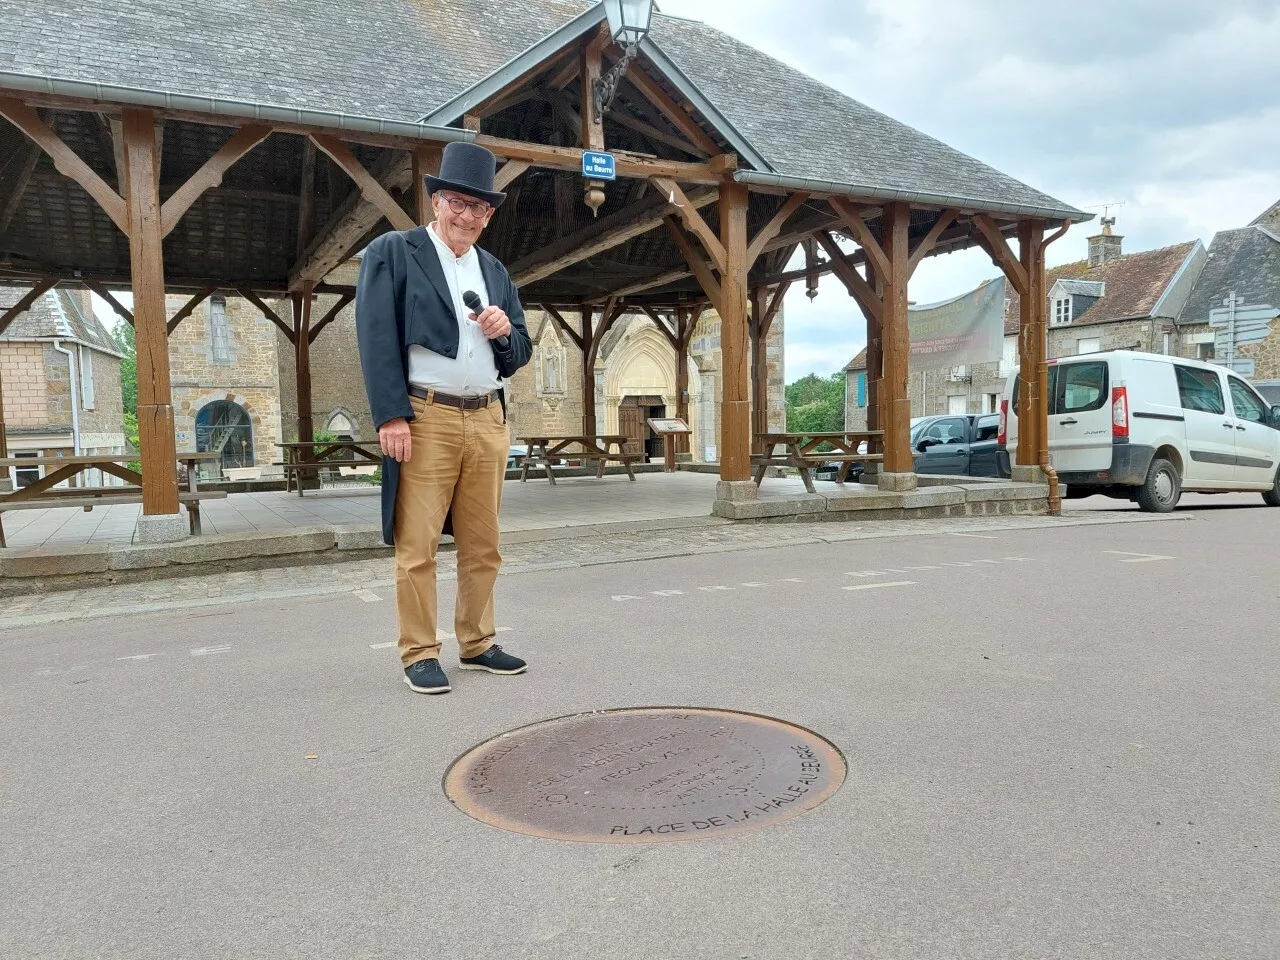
(462, 403)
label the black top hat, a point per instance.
(467, 168)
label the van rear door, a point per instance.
(1080, 423)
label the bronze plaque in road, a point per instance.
(646, 774)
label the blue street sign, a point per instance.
(599, 166)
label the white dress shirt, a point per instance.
(475, 372)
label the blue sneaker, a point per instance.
(495, 660)
(425, 676)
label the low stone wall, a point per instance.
(931, 500)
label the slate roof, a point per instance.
(334, 55)
(1269, 218)
(1247, 261)
(1134, 283)
(58, 313)
(859, 362)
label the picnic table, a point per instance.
(313, 456)
(800, 450)
(547, 450)
(44, 493)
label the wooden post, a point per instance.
(684, 322)
(759, 366)
(4, 439)
(875, 364)
(735, 405)
(592, 125)
(1032, 312)
(895, 404)
(155, 401)
(302, 360)
(588, 375)
(426, 161)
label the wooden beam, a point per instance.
(266, 311)
(692, 219)
(520, 86)
(697, 265)
(28, 300)
(350, 223)
(26, 166)
(627, 165)
(508, 174)
(681, 120)
(774, 227)
(735, 335)
(155, 397)
(852, 220)
(563, 326)
(66, 162)
(858, 288)
(210, 174)
(653, 133)
(306, 199)
(774, 306)
(926, 243)
(662, 326)
(1001, 254)
(471, 121)
(426, 162)
(302, 302)
(604, 234)
(895, 401)
(331, 314)
(120, 310)
(370, 188)
(188, 308)
(640, 286)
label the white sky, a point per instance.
(1167, 106)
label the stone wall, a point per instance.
(248, 376)
(57, 392)
(102, 428)
(23, 376)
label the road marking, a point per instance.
(368, 596)
(791, 580)
(667, 593)
(877, 586)
(975, 536)
(1138, 557)
(1017, 559)
(986, 561)
(955, 563)
(926, 567)
(624, 596)
(713, 589)
(206, 651)
(140, 656)
(752, 583)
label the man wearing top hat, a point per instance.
(434, 371)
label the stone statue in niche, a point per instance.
(552, 384)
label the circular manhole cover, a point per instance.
(645, 774)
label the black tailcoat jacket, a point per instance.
(402, 299)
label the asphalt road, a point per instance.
(1060, 743)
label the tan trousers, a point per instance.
(459, 457)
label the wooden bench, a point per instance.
(318, 456)
(801, 451)
(547, 450)
(90, 497)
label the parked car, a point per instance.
(957, 445)
(1145, 427)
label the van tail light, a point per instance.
(1119, 413)
(1004, 423)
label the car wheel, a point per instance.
(1272, 496)
(1161, 490)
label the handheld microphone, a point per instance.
(475, 306)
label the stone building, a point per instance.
(1111, 301)
(224, 370)
(1245, 263)
(60, 371)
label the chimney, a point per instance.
(1105, 247)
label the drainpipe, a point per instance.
(75, 404)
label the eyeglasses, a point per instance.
(478, 208)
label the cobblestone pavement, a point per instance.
(184, 593)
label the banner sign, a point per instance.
(967, 329)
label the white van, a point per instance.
(1145, 427)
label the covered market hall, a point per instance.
(252, 148)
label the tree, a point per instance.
(816, 404)
(125, 342)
